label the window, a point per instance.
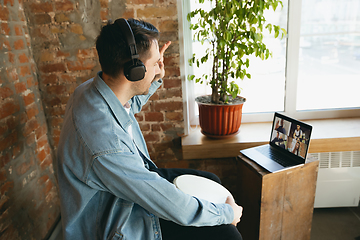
(314, 72)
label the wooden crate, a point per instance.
(276, 205)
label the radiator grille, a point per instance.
(337, 159)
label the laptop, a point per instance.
(288, 146)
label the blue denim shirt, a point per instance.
(106, 189)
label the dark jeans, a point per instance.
(173, 231)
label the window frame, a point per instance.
(291, 73)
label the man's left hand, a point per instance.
(161, 62)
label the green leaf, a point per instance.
(191, 77)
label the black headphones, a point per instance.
(134, 70)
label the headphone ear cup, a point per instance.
(134, 71)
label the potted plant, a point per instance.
(234, 31)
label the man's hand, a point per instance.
(237, 210)
(161, 62)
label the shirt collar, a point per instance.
(113, 102)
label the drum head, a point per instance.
(202, 188)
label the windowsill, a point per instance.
(329, 135)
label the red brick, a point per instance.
(172, 83)
(48, 186)
(56, 121)
(42, 180)
(144, 126)
(5, 92)
(41, 131)
(154, 117)
(168, 26)
(18, 30)
(23, 58)
(28, 99)
(6, 44)
(31, 111)
(172, 72)
(67, 78)
(8, 141)
(81, 65)
(49, 79)
(43, 7)
(42, 18)
(170, 93)
(19, 44)
(162, 127)
(167, 106)
(129, 13)
(3, 200)
(8, 125)
(30, 82)
(64, 6)
(5, 29)
(12, 74)
(4, 13)
(5, 159)
(30, 140)
(41, 156)
(42, 142)
(46, 163)
(54, 67)
(2, 175)
(152, 137)
(11, 57)
(20, 87)
(30, 126)
(24, 71)
(171, 60)
(56, 89)
(104, 3)
(5, 188)
(104, 14)
(140, 1)
(154, 12)
(174, 116)
(8, 108)
(62, 54)
(11, 2)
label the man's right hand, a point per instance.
(237, 210)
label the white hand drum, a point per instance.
(202, 188)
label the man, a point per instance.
(109, 188)
(278, 140)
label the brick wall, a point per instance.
(63, 37)
(29, 201)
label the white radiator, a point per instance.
(338, 182)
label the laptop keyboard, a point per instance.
(274, 155)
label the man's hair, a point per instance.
(113, 50)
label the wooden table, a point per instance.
(276, 205)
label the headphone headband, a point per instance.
(124, 26)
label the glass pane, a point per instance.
(329, 64)
(265, 90)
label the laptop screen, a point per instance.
(290, 136)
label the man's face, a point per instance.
(152, 69)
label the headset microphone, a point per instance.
(134, 70)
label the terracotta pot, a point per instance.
(220, 120)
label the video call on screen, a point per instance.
(291, 137)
